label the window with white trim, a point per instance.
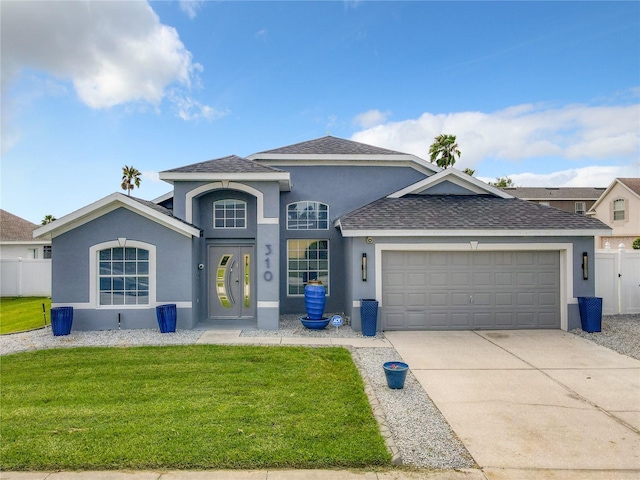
(618, 209)
(123, 276)
(307, 215)
(229, 213)
(307, 259)
(580, 207)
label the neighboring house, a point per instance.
(238, 238)
(16, 239)
(569, 199)
(619, 208)
(25, 262)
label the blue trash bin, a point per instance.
(61, 320)
(369, 317)
(167, 315)
(590, 313)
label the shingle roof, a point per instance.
(14, 228)
(632, 183)
(230, 164)
(330, 146)
(550, 193)
(161, 209)
(462, 212)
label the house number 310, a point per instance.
(268, 276)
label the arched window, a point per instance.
(229, 213)
(307, 215)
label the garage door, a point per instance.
(470, 290)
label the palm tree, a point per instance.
(444, 150)
(47, 219)
(130, 177)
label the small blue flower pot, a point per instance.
(396, 373)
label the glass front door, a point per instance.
(231, 284)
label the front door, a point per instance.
(231, 284)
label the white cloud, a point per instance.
(371, 118)
(191, 7)
(189, 109)
(520, 132)
(593, 176)
(113, 52)
(151, 175)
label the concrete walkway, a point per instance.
(532, 404)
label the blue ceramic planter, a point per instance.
(315, 324)
(314, 300)
(396, 373)
(61, 320)
(167, 316)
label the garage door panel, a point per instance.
(470, 290)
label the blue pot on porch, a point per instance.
(396, 373)
(314, 299)
(61, 320)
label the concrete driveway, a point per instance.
(524, 402)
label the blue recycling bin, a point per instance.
(590, 313)
(369, 317)
(61, 320)
(167, 316)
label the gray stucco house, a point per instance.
(238, 238)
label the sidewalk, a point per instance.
(232, 337)
(468, 474)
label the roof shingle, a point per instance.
(462, 212)
(230, 164)
(14, 228)
(330, 146)
(632, 183)
(550, 193)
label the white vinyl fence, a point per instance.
(21, 277)
(618, 281)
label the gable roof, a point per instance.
(335, 151)
(145, 208)
(15, 229)
(555, 193)
(231, 167)
(630, 184)
(461, 179)
(454, 215)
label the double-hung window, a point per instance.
(580, 207)
(618, 209)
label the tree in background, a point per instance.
(469, 171)
(443, 151)
(130, 178)
(502, 182)
(48, 219)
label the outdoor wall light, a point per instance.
(585, 265)
(364, 267)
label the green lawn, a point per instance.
(185, 407)
(23, 313)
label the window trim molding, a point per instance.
(584, 207)
(625, 208)
(94, 277)
(327, 287)
(225, 227)
(307, 229)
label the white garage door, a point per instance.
(470, 290)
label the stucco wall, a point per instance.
(71, 271)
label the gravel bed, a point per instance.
(420, 432)
(44, 339)
(620, 333)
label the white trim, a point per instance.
(566, 264)
(94, 277)
(162, 198)
(191, 194)
(268, 304)
(473, 233)
(109, 204)
(454, 176)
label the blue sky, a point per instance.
(544, 92)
